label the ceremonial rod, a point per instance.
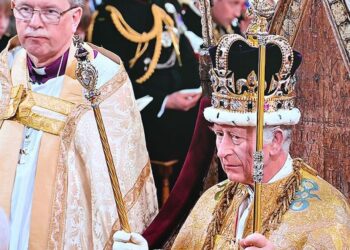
(207, 23)
(208, 41)
(257, 34)
(258, 155)
(87, 75)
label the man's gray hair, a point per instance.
(269, 132)
(79, 3)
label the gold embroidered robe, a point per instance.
(318, 218)
(73, 205)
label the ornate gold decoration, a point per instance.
(16, 94)
(205, 63)
(241, 95)
(87, 76)
(131, 198)
(288, 19)
(219, 214)
(207, 23)
(160, 18)
(27, 115)
(38, 111)
(254, 94)
(271, 222)
(340, 16)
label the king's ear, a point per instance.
(277, 142)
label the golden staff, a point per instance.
(205, 63)
(257, 34)
(87, 75)
(207, 23)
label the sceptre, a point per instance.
(257, 34)
(208, 41)
(87, 76)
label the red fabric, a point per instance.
(188, 185)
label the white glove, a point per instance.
(129, 241)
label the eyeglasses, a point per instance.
(48, 16)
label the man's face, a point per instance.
(225, 11)
(4, 22)
(236, 146)
(43, 40)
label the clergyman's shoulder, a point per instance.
(107, 53)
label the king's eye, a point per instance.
(218, 133)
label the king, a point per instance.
(299, 210)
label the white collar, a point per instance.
(40, 71)
(286, 170)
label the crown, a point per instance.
(234, 79)
(240, 95)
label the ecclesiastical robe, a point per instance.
(55, 187)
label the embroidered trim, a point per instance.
(300, 203)
(57, 225)
(57, 229)
(131, 197)
(283, 202)
(26, 113)
(5, 80)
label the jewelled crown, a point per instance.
(234, 79)
(240, 94)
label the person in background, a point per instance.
(225, 13)
(84, 22)
(162, 66)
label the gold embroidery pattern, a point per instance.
(15, 99)
(23, 102)
(287, 24)
(27, 117)
(131, 197)
(114, 84)
(5, 82)
(339, 14)
(325, 224)
(124, 129)
(57, 225)
(272, 214)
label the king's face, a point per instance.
(235, 147)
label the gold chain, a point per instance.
(143, 39)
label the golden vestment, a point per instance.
(317, 218)
(73, 205)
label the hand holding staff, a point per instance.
(87, 75)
